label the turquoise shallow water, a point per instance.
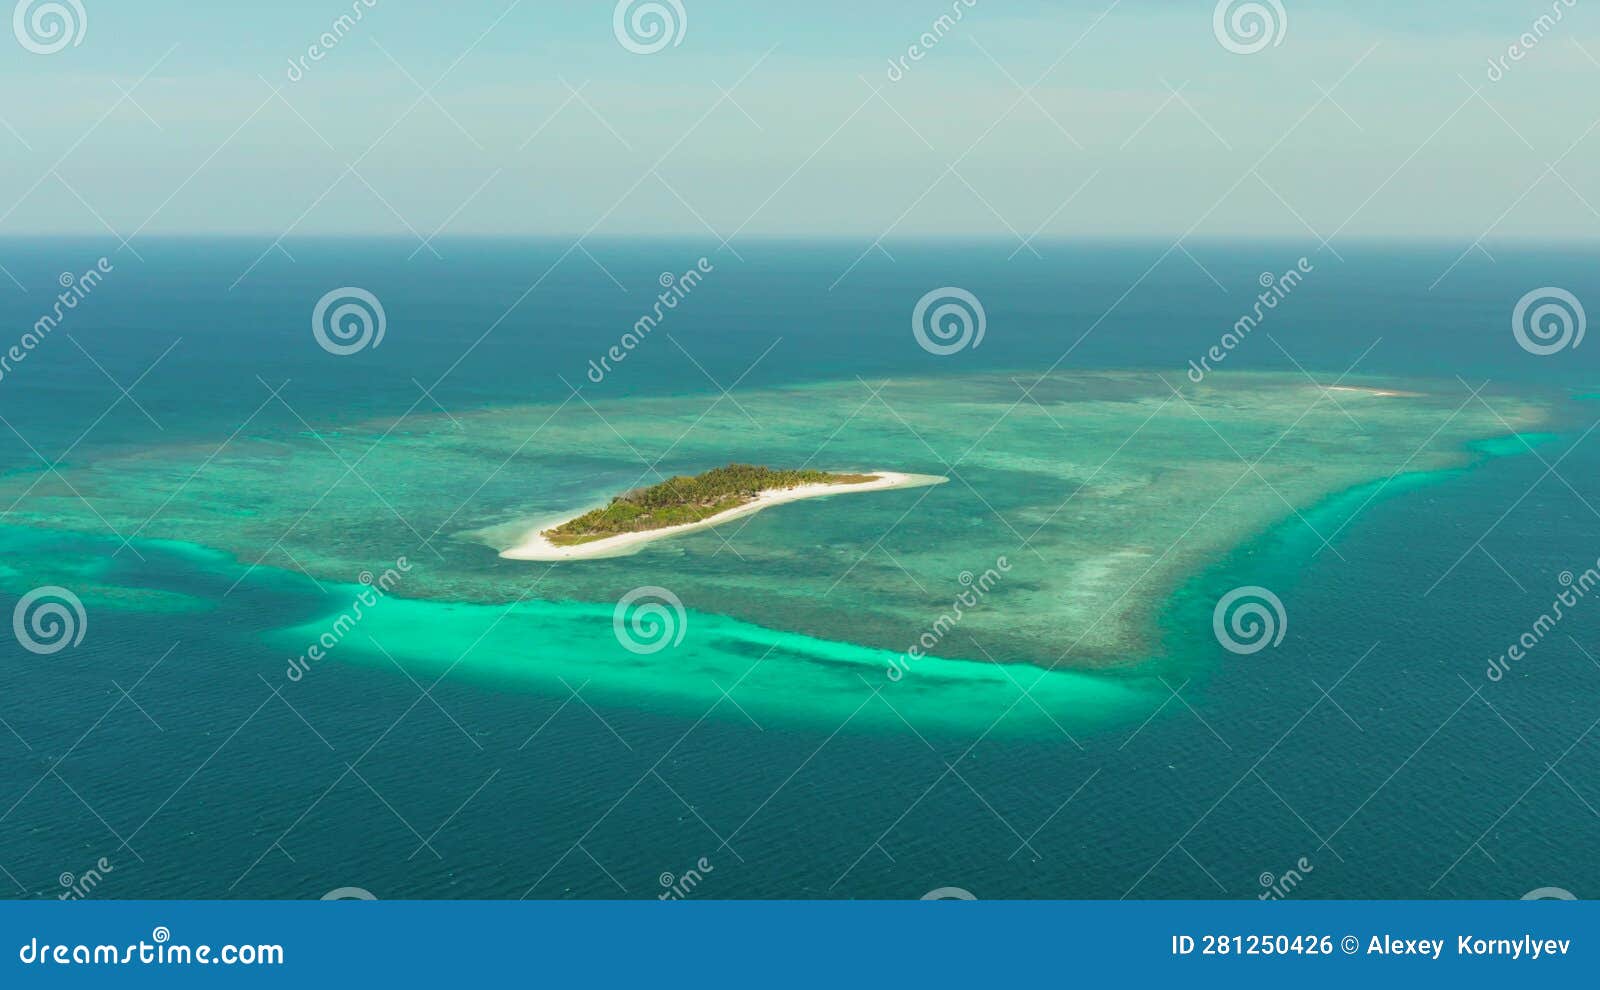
(1086, 504)
(1020, 597)
(448, 747)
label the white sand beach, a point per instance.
(1362, 390)
(534, 546)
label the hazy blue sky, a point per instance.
(1136, 107)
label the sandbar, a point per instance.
(1364, 390)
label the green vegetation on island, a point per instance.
(683, 499)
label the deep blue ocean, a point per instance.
(1412, 776)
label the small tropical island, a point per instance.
(686, 503)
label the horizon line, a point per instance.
(830, 237)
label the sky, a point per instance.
(1022, 120)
